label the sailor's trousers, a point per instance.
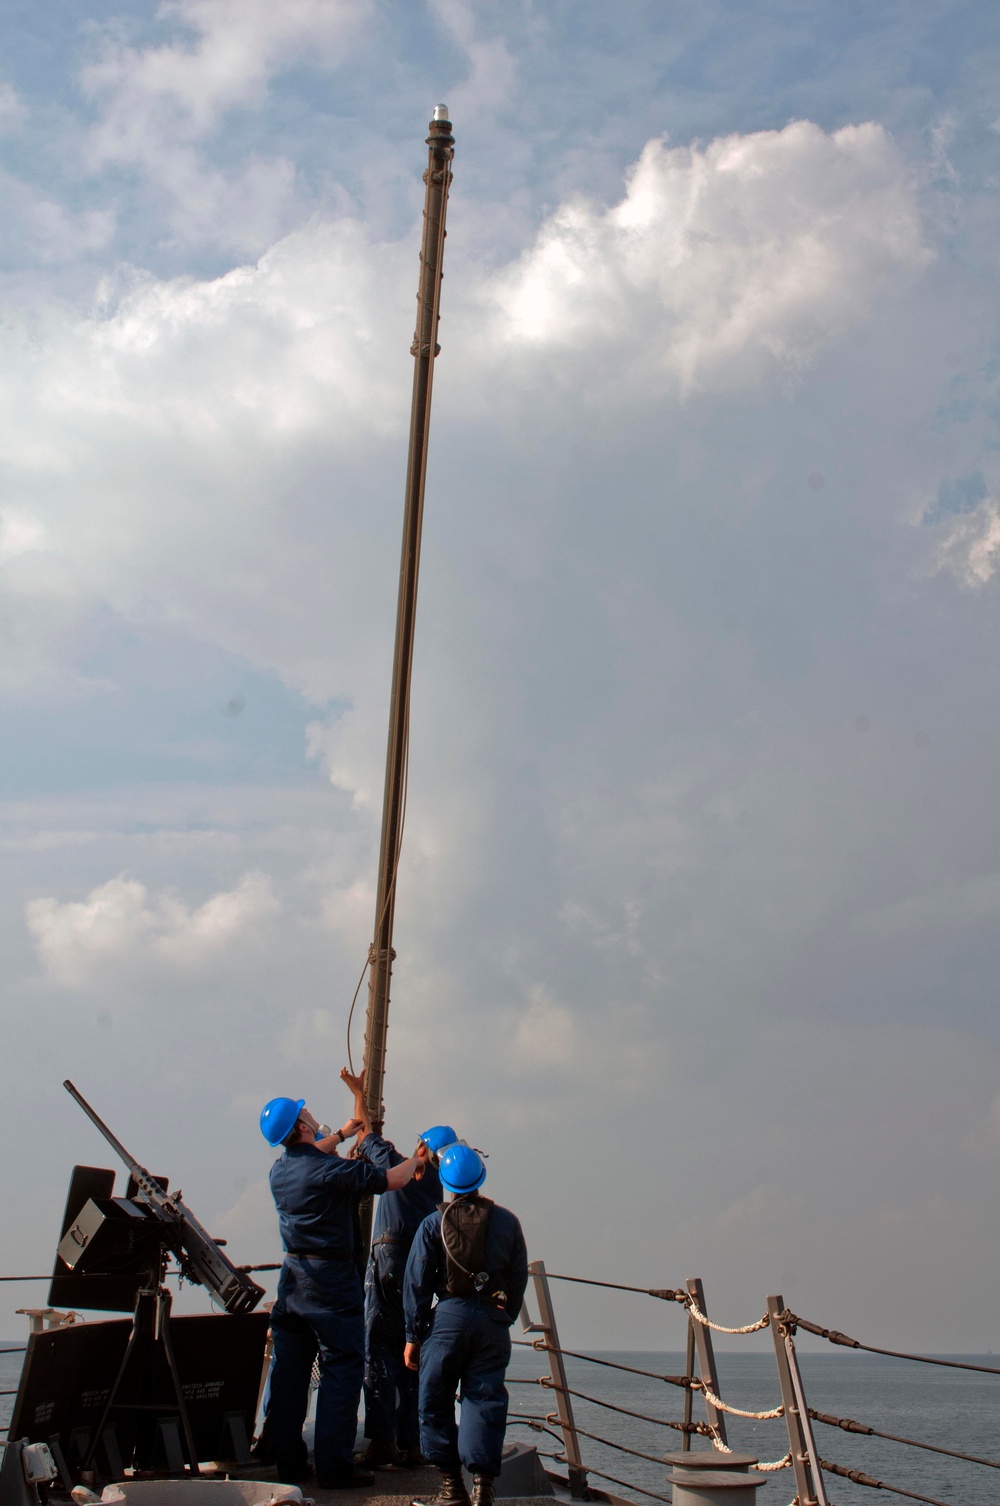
(319, 1313)
(390, 1389)
(467, 1348)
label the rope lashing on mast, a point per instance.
(848, 1425)
(860, 1478)
(836, 1337)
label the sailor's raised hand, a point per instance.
(355, 1081)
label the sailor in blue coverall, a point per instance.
(391, 1423)
(464, 1341)
(319, 1307)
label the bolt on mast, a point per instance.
(441, 144)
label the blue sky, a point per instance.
(700, 889)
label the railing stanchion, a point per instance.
(809, 1485)
(564, 1407)
(689, 1394)
(706, 1359)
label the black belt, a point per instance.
(318, 1255)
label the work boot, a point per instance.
(349, 1479)
(452, 1492)
(381, 1453)
(483, 1493)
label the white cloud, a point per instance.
(970, 548)
(19, 534)
(234, 48)
(545, 1034)
(197, 450)
(722, 262)
(159, 102)
(79, 941)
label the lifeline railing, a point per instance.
(700, 1379)
(803, 1457)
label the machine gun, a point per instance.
(200, 1259)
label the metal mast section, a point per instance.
(441, 144)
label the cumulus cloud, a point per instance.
(178, 446)
(158, 102)
(970, 546)
(226, 59)
(724, 261)
(79, 942)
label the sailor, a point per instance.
(319, 1308)
(391, 1424)
(471, 1255)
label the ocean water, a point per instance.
(952, 1408)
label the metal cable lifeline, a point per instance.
(664, 1293)
(848, 1425)
(684, 1381)
(701, 1428)
(668, 1294)
(836, 1337)
(860, 1478)
(621, 1447)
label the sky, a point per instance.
(697, 915)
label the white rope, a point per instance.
(717, 1442)
(723, 1406)
(785, 1463)
(706, 1322)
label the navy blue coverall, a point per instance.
(319, 1308)
(464, 1341)
(391, 1389)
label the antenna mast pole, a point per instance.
(441, 145)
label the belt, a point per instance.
(318, 1255)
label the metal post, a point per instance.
(706, 1360)
(564, 1404)
(810, 1488)
(689, 1394)
(441, 145)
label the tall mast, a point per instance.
(441, 144)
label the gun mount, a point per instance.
(100, 1232)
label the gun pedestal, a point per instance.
(150, 1331)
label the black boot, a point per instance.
(483, 1493)
(381, 1453)
(452, 1492)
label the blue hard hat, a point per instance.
(461, 1169)
(438, 1137)
(279, 1117)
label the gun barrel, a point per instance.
(96, 1119)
